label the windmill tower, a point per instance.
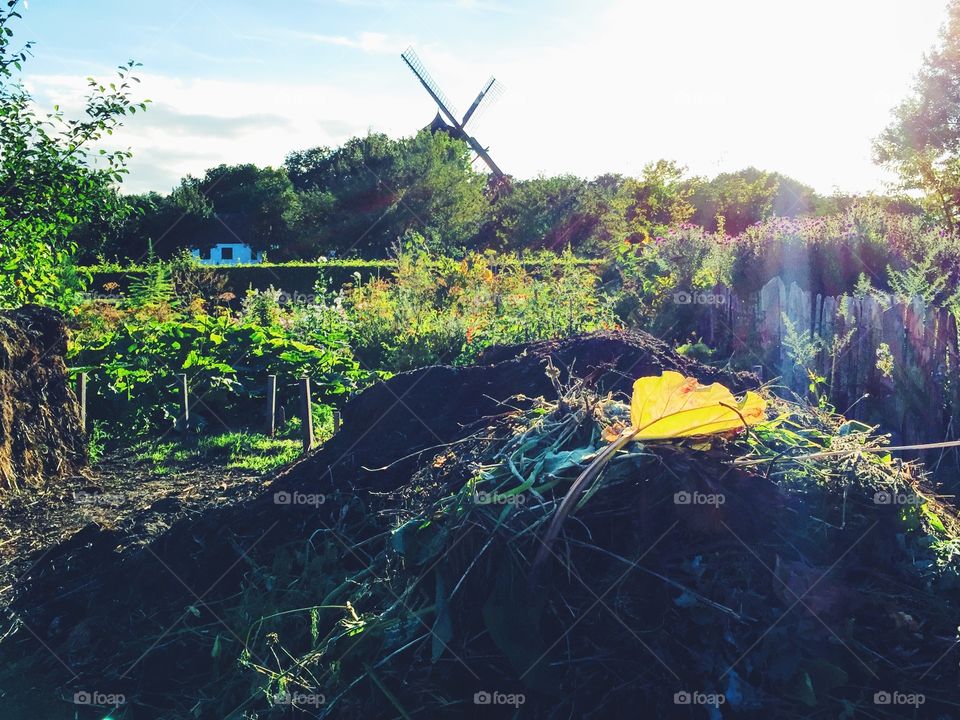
(457, 128)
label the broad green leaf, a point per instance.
(933, 519)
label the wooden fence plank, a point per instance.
(921, 401)
(82, 399)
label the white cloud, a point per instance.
(486, 6)
(800, 89)
(195, 124)
(369, 42)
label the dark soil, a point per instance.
(117, 497)
(422, 409)
(131, 598)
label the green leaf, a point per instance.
(512, 617)
(442, 632)
(935, 522)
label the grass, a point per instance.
(248, 451)
(252, 452)
(255, 452)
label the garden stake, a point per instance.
(306, 414)
(271, 405)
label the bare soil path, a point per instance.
(118, 495)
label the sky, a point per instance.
(591, 86)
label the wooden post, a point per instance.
(184, 407)
(82, 399)
(306, 414)
(271, 405)
(336, 421)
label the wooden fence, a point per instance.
(267, 425)
(853, 341)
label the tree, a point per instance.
(316, 208)
(365, 195)
(253, 205)
(734, 201)
(536, 214)
(230, 203)
(49, 182)
(553, 213)
(646, 206)
(442, 194)
(922, 144)
(163, 224)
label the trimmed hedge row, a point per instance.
(291, 278)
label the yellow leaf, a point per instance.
(673, 406)
(665, 407)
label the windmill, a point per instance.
(457, 128)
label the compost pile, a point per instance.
(789, 571)
(40, 434)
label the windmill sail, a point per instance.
(414, 62)
(490, 91)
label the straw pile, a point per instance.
(40, 434)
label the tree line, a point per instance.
(363, 197)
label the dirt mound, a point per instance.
(41, 438)
(397, 420)
(687, 582)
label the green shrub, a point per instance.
(227, 361)
(827, 255)
(436, 309)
